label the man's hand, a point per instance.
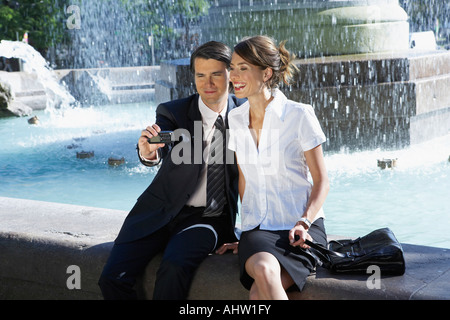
(147, 150)
(228, 246)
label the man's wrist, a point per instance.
(146, 161)
(153, 156)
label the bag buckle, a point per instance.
(351, 254)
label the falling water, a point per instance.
(34, 63)
(117, 33)
(362, 195)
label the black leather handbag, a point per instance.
(380, 248)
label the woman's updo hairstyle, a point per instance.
(262, 51)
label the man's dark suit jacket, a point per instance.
(175, 183)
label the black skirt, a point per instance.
(296, 261)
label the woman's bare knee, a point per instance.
(264, 266)
(265, 269)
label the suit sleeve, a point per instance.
(166, 121)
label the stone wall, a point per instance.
(381, 100)
(41, 243)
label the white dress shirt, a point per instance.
(277, 188)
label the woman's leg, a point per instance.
(286, 282)
(265, 269)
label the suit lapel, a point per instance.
(193, 113)
(230, 157)
(231, 106)
(195, 121)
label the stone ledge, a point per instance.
(427, 277)
(39, 240)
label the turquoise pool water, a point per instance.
(39, 162)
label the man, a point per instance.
(182, 213)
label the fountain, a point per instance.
(314, 28)
(36, 87)
(375, 97)
(39, 87)
(368, 88)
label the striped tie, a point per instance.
(215, 187)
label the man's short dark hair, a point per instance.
(212, 50)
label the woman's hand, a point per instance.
(297, 236)
(228, 246)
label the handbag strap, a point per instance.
(324, 250)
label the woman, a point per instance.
(276, 141)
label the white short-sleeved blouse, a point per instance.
(276, 175)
